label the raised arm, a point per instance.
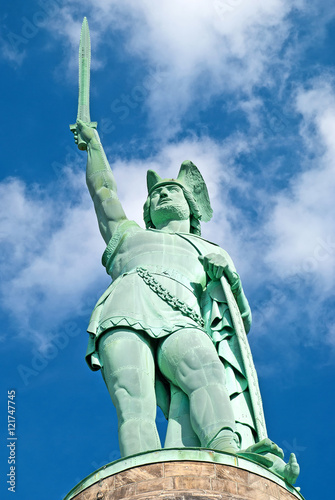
(100, 182)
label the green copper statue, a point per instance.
(171, 328)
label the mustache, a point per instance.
(164, 199)
(172, 205)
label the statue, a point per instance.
(171, 328)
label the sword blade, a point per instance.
(83, 112)
(249, 367)
(84, 73)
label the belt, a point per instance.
(168, 297)
(169, 273)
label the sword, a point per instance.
(84, 83)
(248, 363)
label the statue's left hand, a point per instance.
(216, 265)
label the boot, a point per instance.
(226, 440)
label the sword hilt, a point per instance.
(80, 142)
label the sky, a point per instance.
(246, 90)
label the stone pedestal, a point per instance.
(183, 474)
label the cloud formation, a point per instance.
(50, 255)
(193, 52)
(300, 251)
(197, 50)
(302, 223)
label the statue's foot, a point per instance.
(256, 457)
(291, 469)
(226, 441)
(266, 446)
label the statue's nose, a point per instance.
(164, 193)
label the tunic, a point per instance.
(172, 258)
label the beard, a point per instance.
(167, 212)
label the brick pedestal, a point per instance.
(185, 480)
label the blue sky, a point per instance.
(247, 92)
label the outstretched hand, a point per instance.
(216, 266)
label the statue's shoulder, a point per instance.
(205, 246)
(195, 237)
(121, 231)
(200, 242)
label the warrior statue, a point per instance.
(171, 328)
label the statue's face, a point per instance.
(168, 203)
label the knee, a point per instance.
(132, 392)
(129, 406)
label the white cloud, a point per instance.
(50, 255)
(297, 243)
(302, 223)
(197, 49)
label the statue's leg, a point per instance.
(128, 369)
(180, 432)
(189, 360)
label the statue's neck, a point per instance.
(175, 226)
